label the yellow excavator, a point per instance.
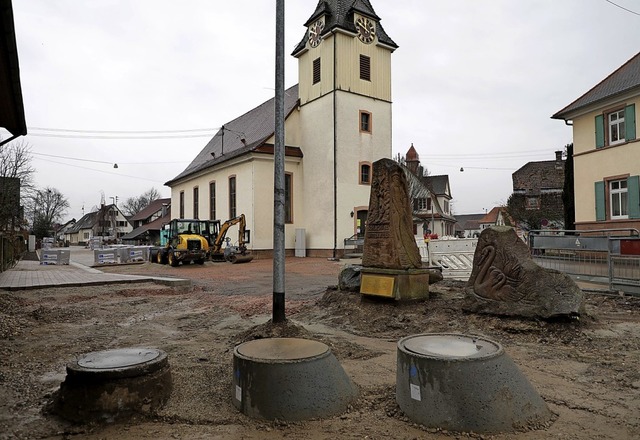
(232, 253)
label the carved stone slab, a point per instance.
(506, 281)
(389, 242)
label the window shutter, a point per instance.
(600, 205)
(630, 122)
(316, 71)
(633, 191)
(599, 131)
(365, 68)
(415, 204)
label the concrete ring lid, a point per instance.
(450, 346)
(281, 350)
(118, 363)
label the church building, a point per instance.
(338, 122)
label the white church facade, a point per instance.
(338, 122)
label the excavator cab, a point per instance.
(210, 230)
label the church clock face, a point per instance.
(314, 33)
(366, 30)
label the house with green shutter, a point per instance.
(606, 151)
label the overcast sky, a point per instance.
(474, 83)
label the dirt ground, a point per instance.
(587, 371)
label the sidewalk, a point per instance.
(33, 275)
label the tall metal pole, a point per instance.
(278, 165)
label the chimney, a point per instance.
(164, 209)
(559, 164)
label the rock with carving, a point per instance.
(506, 281)
(389, 241)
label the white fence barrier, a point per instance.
(454, 256)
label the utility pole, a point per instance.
(278, 174)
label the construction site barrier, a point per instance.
(55, 256)
(105, 256)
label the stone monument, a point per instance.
(506, 281)
(391, 262)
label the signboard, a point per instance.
(379, 285)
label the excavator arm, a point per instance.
(241, 222)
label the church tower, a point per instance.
(344, 74)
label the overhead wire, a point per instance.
(72, 158)
(622, 7)
(72, 133)
(73, 130)
(100, 171)
(107, 162)
(86, 136)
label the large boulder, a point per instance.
(506, 281)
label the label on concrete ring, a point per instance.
(415, 392)
(238, 393)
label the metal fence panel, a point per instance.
(604, 255)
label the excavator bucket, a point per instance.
(240, 258)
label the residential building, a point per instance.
(108, 222)
(536, 201)
(606, 151)
(60, 231)
(148, 222)
(468, 225)
(433, 209)
(11, 212)
(497, 216)
(338, 122)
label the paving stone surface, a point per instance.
(29, 274)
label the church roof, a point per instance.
(623, 79)
(242, 135)
(339, 15)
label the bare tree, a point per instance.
(134, 205)
(50, 207)
(16, 177)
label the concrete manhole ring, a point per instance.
(111, 384)
(289, 379)
(464, 383)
